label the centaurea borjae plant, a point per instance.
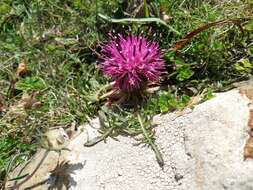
(133, 62)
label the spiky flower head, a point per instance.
(132, 62)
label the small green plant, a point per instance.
(30, 83)
(9, 147)
(244, 66)
(168, 102)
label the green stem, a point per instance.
(158, 154)
(146, 9)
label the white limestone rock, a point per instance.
(203, 150)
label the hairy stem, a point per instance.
(154, 147)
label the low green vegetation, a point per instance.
(49, 63)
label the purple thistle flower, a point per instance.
(132, 62)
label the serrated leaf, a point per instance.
(30, 83)
(184, 73)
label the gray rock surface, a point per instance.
(203, 150)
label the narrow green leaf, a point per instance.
(138, 20)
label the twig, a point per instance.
(181, 43)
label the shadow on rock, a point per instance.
(60, 177)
